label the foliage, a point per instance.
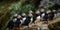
(17, 8)
(51, 6)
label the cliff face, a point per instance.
(55, 26)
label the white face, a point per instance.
(48, 11)
(30, 15)
(16, 15)
(37, 12)
(42, 10)
(30, 11)
(23, 14)
(19, 16)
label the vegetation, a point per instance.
(9, 7)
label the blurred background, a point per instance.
(9, 7)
